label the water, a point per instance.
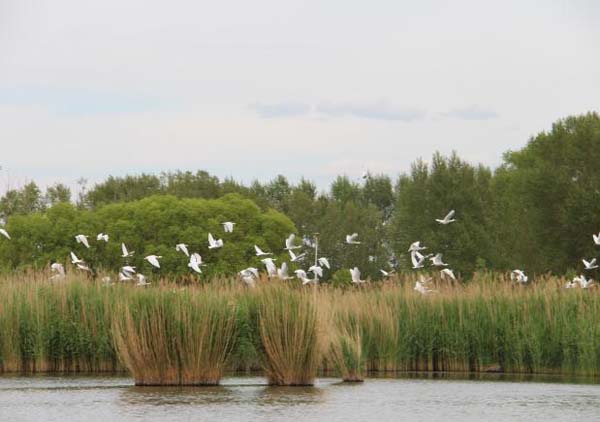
(110, 399)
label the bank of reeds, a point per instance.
(168, 334)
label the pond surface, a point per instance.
(114, 398)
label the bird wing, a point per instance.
(211, 239)
(258, 250)
(449, 215)
(324, 261)
(124, 249)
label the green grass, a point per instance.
(168, 334)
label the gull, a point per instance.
(83, 267)
(4, 233)
(294, 257)
(141, 280)
(447, 219)
(316, 270)
(420, 286)
(59, 269)
(128, 270)
(250, 271)
(596, 238)
(583, 282)
(590, 265)
(418, 259)
(447, 273)
(324, 262)
(282, 273)
(153, 260)
(75, 260)
(437, 261)
(289, 243)
(307, 241)
(125, 252)
(195, 262)
(182, 247)
(271, 268)
(228, 226)
(351, 239)
(125, 277)
(386, 273)
(416, 246)
(301, 274)
(518, 276)
(82, 238)
(572, 284)
(214, 244)
(102, 236)
(355, 274)
(259, 251)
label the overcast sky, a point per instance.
(251, 89)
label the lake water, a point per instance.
(110, 399)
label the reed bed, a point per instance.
(169, 334)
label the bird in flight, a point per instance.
(228, 226)
(83, 239)
(214, 244)
(351, 239)
(447, 219)
(153, 260)
(260, 252)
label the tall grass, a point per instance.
(168, 334)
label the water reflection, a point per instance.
(160, 396)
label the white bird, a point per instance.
(316, 270)
(125, 252)
(572, 284)
(307, 241)
(125, 277)
(416, 246)
(437, 261)
(107, 281)
(249, 276)
(294, 257)
(590, 265)
(83, 267)
(4, 233)
(153, 260)
(418, 259)
(182, 247)
(282, 273)
(271, 268)
(75, 260)
(324, 262)
(228, 226)
(301, 274)
(214, 244)
(447, 219)
(351, 239)
(59, 269)
(102, 236)
(596, 238)
(141, 280)
(195, 262)
(583, 282)
(518, 276)
(386, 273)
(355, 274)
(259, 252)
(372, 258)
(289, 243)
(421, 286)
(128, 270)
(447, 273)
(82, 238)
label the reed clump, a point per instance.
(176, 337)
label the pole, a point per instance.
(316, 253)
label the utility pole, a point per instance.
(316, 254)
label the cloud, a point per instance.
(381, 110)
(270, 111)
(473, 112)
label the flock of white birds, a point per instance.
(251, 274)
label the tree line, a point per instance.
(536, 211)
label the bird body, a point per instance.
(437, 260)
(416, 246)
(260, 252)
(141, 281)
(294, 257)
(83, 239)
(195, 262)
(324, 262)
(125, 252)
(518, 276)
(447, 219)
(289, 243)
(351, 239)
(355, 275)
(418, 259)
(58, 269)
(316, 270)
(75, 260)
(590, 265)
(421, 286)
(596, 238)
(102, 236)
(282, 273)
(182, 247)
(214, 244)
(301, 274)
(447, 273)
(228, 226)
(153, 260)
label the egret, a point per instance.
(282, 273)
(324, 262)
(418, 259)
(351, 239)
(102, 236)
(125, 252)
(447, 273)
(289, 243)
(301, 274)
(153, 260)
(355, 274)
(447, 219)
(294, 257)
(259, 251)
(316, 270)
(214, 244)
(518, 276)
(182, 247)
(82, 238)
(437, 261)
(4, 233)
(416, 246)
(590, 265)
(228, 226)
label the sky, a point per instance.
(306, 88)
